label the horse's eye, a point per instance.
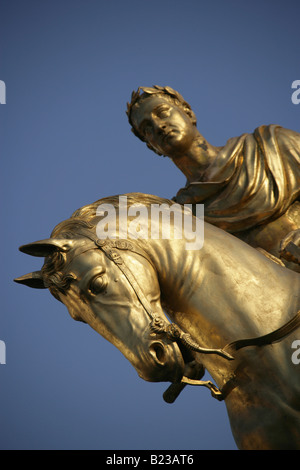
(97, 285)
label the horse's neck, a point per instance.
(222, 287)
(229, 291)
(225, 292)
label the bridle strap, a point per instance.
(274, 336)
(109, 248)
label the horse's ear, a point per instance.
(46, 247)
(33, 279)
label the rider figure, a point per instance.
(250, 187)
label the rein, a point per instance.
(112, 248)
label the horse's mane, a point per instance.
(87, 212)
(85, 216)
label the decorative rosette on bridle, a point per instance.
(174, 333)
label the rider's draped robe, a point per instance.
(252, 181)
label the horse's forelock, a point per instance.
(52, 271)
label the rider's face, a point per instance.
(164, 125)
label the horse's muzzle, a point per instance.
(165, 362)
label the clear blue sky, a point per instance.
(70, 67)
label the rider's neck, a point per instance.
(197, 159)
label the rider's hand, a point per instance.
(290, 246)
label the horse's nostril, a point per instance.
(158, 352)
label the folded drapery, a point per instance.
(253, 180)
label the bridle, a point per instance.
(157, 324)
(112, 249)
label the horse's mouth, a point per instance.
(165, 362)
(192, 369)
